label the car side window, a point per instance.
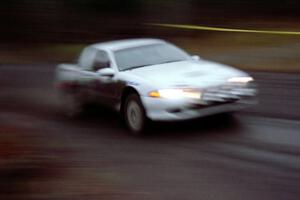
(100, 60)
(86, 58)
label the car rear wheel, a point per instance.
(134, 114)
(71, 105)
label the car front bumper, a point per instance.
(160, 109)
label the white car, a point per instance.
(152, 79)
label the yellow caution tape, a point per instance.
(207, 28)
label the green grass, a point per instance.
(255, 52)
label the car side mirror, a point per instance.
(196, 57)
(106, 72)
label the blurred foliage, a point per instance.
(56, 30)
(91, 20)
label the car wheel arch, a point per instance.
(127, 91)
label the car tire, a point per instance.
(134, 114)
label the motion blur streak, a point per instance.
(252, 155)
(207, 28)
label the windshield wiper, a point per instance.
(135, 67)
(170, 61)
(139, 66)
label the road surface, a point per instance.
(254, 155)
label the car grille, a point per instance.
(227, 93)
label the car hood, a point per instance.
(188, 73)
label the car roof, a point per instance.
(127, 43)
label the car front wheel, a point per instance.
(134, 114)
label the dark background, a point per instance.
(96, 20)
(253, 154)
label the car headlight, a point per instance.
(175, 93)
(245, 79)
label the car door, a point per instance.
(103, 86)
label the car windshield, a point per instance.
(154, 54)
